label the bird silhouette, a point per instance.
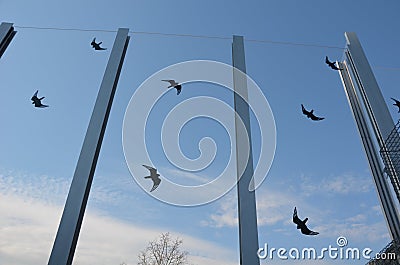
(153, 176)
(302, 224)
(397, 103)
(310, 114)
(331, 64)
(174, 84)
(96, 46)
(38, 101)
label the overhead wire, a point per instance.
(185, 35)
(287, 43)
(295, 44)
(181, 35)
(63, 29)
(387, 68)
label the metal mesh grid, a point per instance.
(389, 255)
(390, 154)
(391, 158)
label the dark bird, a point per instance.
(310, 114)
(96, 46)
(397, 103)
(302, 224)
(174, 84)
(331, 64)
(38, 101)
(153, 176)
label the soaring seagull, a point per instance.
(331, 64)
(96, 46)
(38, 101)
(153, 176)
(302, 224)
(310, 114)
(397, 103)
(174, 84)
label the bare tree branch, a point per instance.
(163, 251)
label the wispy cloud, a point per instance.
(270, 211)
(198, 179)
(45, 188)
(342, 184)
(359, 232)
(226, 214)
(377, 209)
(53, 190)
(29, 224)
(27, 229)
(275, 206)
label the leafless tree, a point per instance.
(163, 251)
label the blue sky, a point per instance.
(319, 167)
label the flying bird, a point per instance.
(310, 114)
(174, 84)
(153, 176)
(302, 224)
(331, 64)
(38, 101)
(397, 103)
(96, 46)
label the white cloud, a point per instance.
(105, 240)
(355, 232)
(343, 184)
(275, 208)
(271, 209)
(29, 224)
(45, 188)
(377, 209)
(226, 214)
(30, 219)
(197, 178)
(357, 218)
(27, 229)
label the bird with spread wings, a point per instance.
(397, 103)
(38, 101)
(174, 84)
(310, 114)
(96, 46)
(331, 64)
(302, 224)
(154, 176)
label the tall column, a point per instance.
(74, 210)
(370, 92)
(248, 233)
(7, 33)
(373, 121)
(376, 108)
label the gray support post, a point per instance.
(375, 106)
(7, 33)
(71, 220)
(374, 102)
(367, 104)
(248, 233)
